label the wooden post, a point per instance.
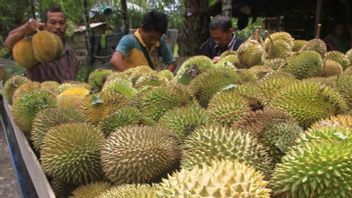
(88, 32)
(125, 16)
(318, 10)
(227, 8)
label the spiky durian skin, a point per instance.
(306, 64)
(149, 79)
(338, 57)
(331, 68)
(298, 45)
(334, 121)
(225, 178)
(98, 77)
(130, 191)
(122, 117)
(70, 152)
(124, 87)
(28, 105)
(227, 61)
(227, 53)
(275, 63)
(278, 49)
(184, 120)
(330, 133)
(269, 87)
(97, 107)
(207, 84)
(349, 55)
(92, 190)
(12, 84)
(284, 36)
(192, 67)
(50, 86)
(208, 143)
(249, 54)
(344, 86)
(165, 74)
(315, 169)
(139, 154)
(309, 102)
(317, 45)
(69, 101)
(135, 72)
(261, 70)
(155, 102)
(226, 107)
(51, 117)
(25, 88)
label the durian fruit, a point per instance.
(98, 106)
(331, 68)
(25, 88)
(28, 105)
(139, 154)
(298, 45)
(155, 102)
(135, 72)
(207, 84)
(208, 143)
(260, 70)
(317, 45)
(334, 121)
(116, 76)
(226, 107)
(328, 81)
(227, 61)
(70, 101)
(12, 84)
(46, 46)
(348, 70)
(338, 57)
(227, 53)
(51, 117)
(304, 65)
(92, 190)
(122, 117)
(222, 178)
(325, 133)
(278, 49)
(349, 55)
(283, 36)
(130, 191)
(184, 120)
(67, 85)
(275, 63)
(249, 53)
(70, 152)
(123, 87)
(309, 102)
(315, 169)
(149, 79)
(269, 87)
(344, 86)
(50, 86)
(75, 91)
(165, 74)
(98, 77)
(23, 53)
(193, 67)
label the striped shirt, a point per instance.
(210, 49)
(60, 70)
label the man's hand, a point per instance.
(32, 25)
(216, 59)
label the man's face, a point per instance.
(221, 38)
(150, 37)
(56, 23)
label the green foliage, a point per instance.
(245, 33)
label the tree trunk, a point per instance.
(126, 28)
(89, 34)
(195, 30)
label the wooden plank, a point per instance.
(31, 161)
(318, 15)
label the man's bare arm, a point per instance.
(171, 67)
(117, 61)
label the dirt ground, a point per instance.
(9, 187)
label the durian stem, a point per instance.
(37, 29)
(317, 35)
(268, 35)
(257, 34)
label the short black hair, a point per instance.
(155, 21)
(220, 22)
(52, 8)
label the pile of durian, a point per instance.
(270, 120)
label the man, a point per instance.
(222, 38)
(63, 69)
(339, 38)
(145, 45)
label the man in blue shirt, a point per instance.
(145, 45)
(222, 38)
